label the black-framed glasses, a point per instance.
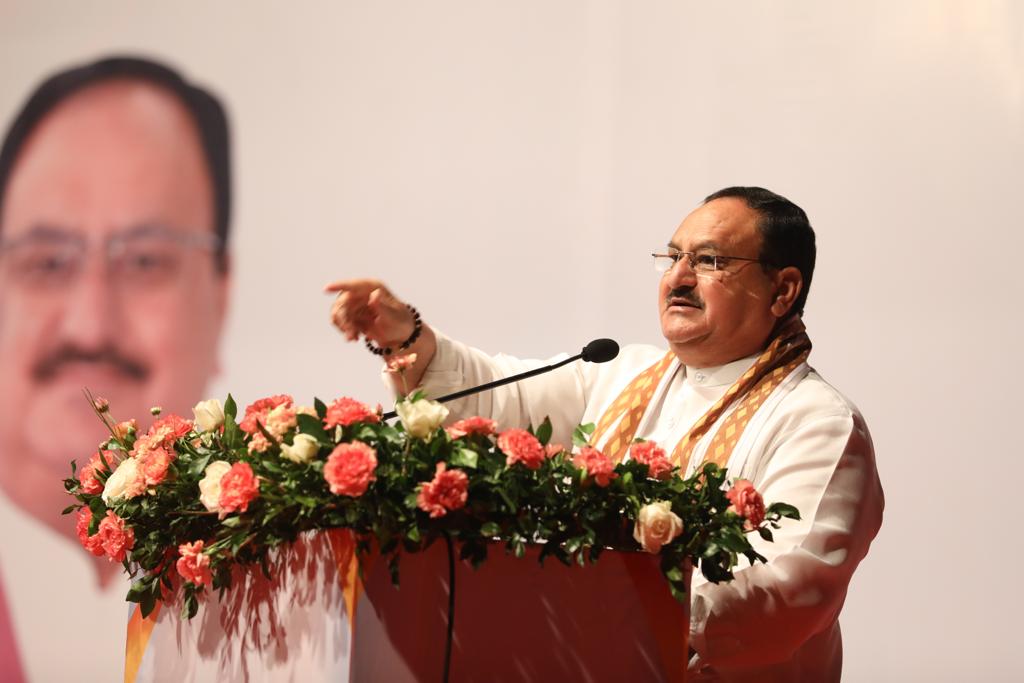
(700, 262)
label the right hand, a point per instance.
(367, 307)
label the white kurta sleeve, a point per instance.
(560, 394)
(826, 468)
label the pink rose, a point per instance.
(257, 412)
(519, 445)
(94, 544)
(238, 487)
(747, 503)
(116, 536)
(87, 475)
(400, 364)
(346, 411)
(350, 469)
(447, 491)
(656, 525)
(472, 425)
(597, 465)
(652, 455)
(154, 466)
(167, 430)
(194, 565)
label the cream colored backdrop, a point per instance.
(508, 167)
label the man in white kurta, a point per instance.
(806, 445)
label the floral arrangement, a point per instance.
(184, 502)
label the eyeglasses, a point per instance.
(142, 258)
(700, 262)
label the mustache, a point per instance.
(54, 362)
(687, 294)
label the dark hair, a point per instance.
(786, 234)
(205, 109)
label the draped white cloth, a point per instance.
(807, 446)
(66, 621)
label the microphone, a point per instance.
(597, 351)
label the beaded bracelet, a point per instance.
(416, 330)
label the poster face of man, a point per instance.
(108, 275)
(112, 277)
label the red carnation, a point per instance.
(472, 425)
(116, 536)
(598, 465)
(94, 544)
(519, 445)
(257, 412)
(167, 430)
(238, 487)
(193, 565)
(350, 468)
(651, 454)
(747, 503)
(87, 475)
(447, 491)
(346, 411)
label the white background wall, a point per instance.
(509, 166)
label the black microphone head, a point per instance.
(600, 351)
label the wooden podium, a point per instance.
(514, 621)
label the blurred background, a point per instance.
(509, 167)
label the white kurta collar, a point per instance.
(720, 375)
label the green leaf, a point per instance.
(674, 574)
(464, 457)
(490, 529)
(544, 431)
(198, 466)
(230, 408)
(314, 427)
(765, 533)
(783, 510)
(581, 435)
(320, 407)
(679, 593)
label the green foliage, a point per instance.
(557, 506)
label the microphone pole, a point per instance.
(597, 351)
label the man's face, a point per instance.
(108, 279)
(712, 318)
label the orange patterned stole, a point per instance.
(625, 412)
(790, 347)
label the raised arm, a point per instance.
(366, 307)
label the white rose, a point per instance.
(209, 486)
(125, 482)
(302, 450)
(656, 525)
(421, 418)
(209, 415)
